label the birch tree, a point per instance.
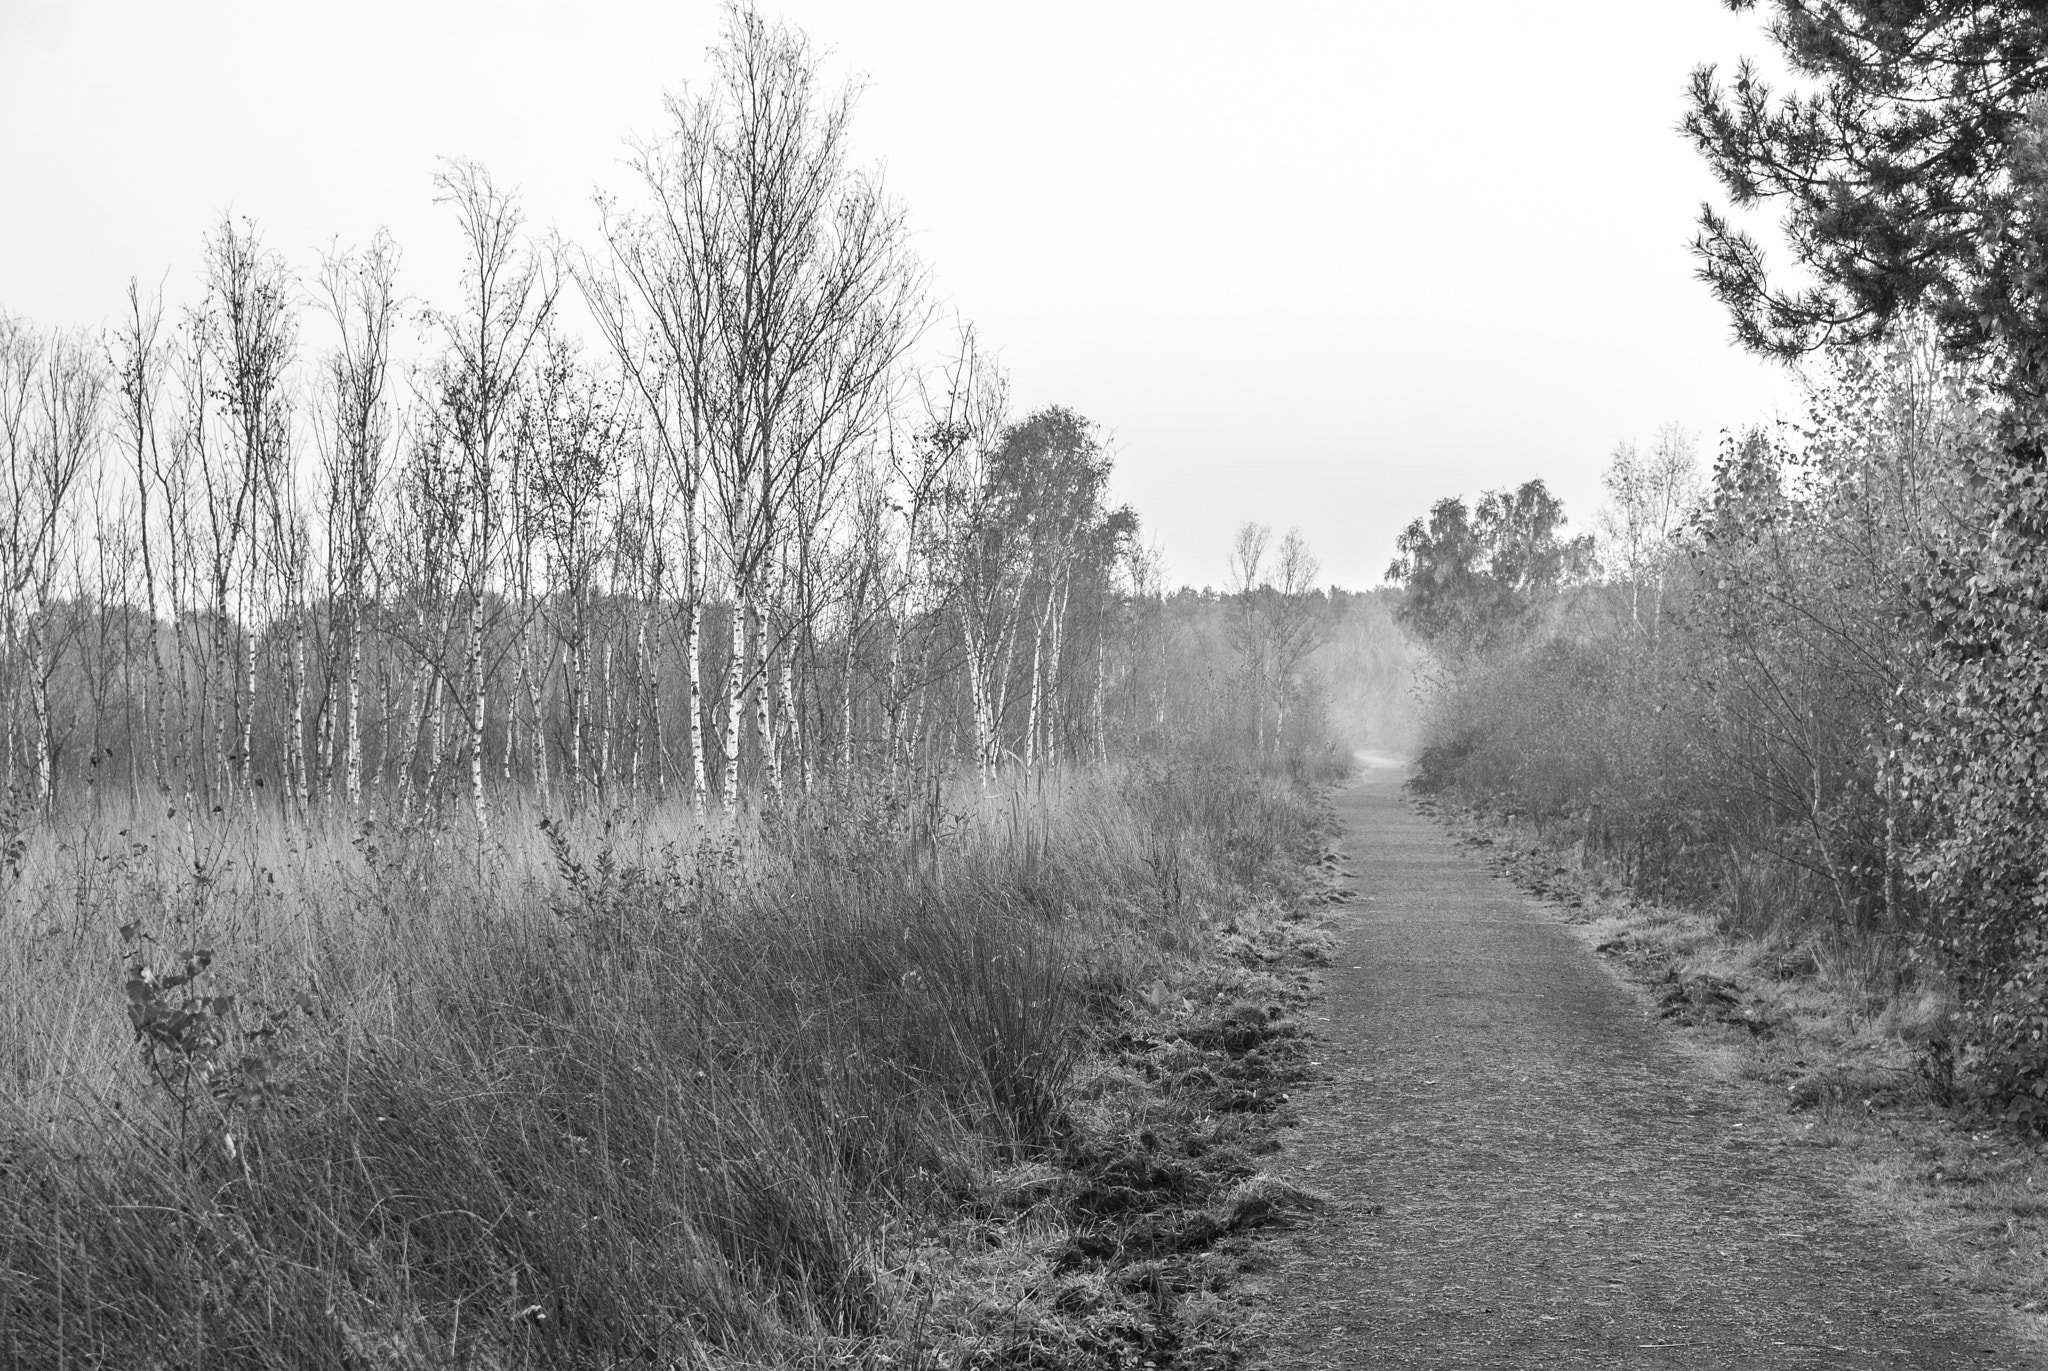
(139, 364)
(781, 293)
(359, 293)
(248, 329)
(507, 302)
(51, 392)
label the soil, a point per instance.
(1526, 1167)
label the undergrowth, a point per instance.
(979, 1089)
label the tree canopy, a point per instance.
(1474, 576)
(1909, 161)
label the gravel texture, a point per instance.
(1525, 1169)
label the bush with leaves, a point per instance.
(1981, 772)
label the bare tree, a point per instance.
(359, 293)
(974, 555)
(51, 393)
(1649, 497)
(1277, 622)
(781, 294)
(139, 373)
(507, 302)
(248, 330)
(573, 439)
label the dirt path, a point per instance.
(1529, 1172)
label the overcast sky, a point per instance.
(1306, 264)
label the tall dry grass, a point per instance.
(614, 1091)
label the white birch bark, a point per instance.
(735, 718)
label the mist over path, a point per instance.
(1528, 1172)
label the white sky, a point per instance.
(1310, 264)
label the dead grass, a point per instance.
(621, 1092)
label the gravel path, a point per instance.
(1528, 1172)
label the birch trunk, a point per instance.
(1031, 712)
(512, 725)
(764, 737)
(793, 725)
(355, 711)
(898, 629)
(433, 724)
(735, 717)
(298, 705)
(846, 712)
(650, 697)
(39, 705)
(536, 698)
(692, 648)
(984, 716)
(249, 719)
(605, 712)
(476, 716)
(1054, 722)
(221, 693)
(577, 670)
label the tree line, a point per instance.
(683, 513)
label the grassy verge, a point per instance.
(1841, 1056)
(982, 1087)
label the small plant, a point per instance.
(608, 892)
(196, 1047)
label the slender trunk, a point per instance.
(764, 739)
(161, 759)
(576, 682)
(512, 720)
(163, 697)
(389, 756)
(130, 689)
(984, 715)
(1008, 628)
(1889, 790)
(1055, 722)
(248, 713)
(437, 748)
(846, 711)
(735, 705)
(298, 702)
(693, 650)
(355, 707)
(1031, 712)
(188, 695)
(324, 730)
(223, 689)
(424, 709)
(793, 724)
(536, 689)
(604, 723)
(650, 703)
(916, 737)
(899, 628)
(39, 704)
(476, 713)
